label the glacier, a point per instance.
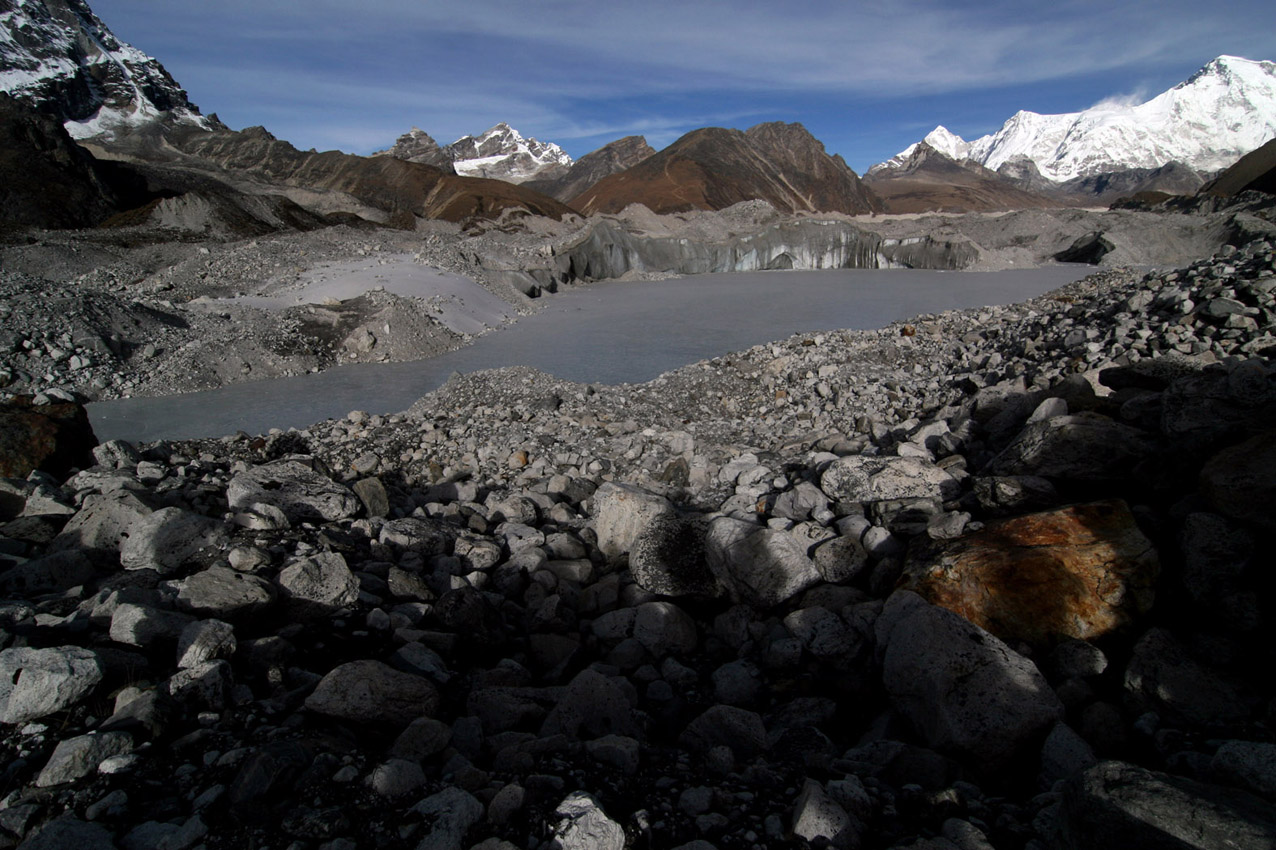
(1219, 114)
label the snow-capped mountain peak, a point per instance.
(949, 144)
(1207, 122)
(941, 139)
(59, 57)
(503, 153)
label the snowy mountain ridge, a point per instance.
(59, 57)
(1223, 111)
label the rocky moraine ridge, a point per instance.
(986, 579)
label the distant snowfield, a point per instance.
(462, 305)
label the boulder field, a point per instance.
(988, 578)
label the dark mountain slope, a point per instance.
(384, 182)
(610, 159)
(930, 181)
(1256, 171)
(46, 180)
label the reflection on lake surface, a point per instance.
(609, 333)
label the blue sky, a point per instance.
(866, 78)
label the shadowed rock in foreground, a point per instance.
(530, 613)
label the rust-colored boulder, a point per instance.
(1077, 572)
(53, 438)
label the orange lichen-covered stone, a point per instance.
(1077, 572)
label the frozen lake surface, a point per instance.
(610, 332)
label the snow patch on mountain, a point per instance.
(501, 152)
(58, 56)
(1222, 112)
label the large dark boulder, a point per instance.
(53, 438)
(1121, 805)
(1089, 249)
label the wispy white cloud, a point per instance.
(1124, 101)
(907, 47)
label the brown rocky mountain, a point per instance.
(930, 181)
(416, 145)
(589, 169)
(713, 168)
(385, 183)
(826, 182)
(1256, 171)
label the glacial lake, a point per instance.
(609, 332)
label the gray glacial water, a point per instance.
(610, 332)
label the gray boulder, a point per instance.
(376, 502)
(1004, 495)
(422, 738)
(817, 816)
(69, 831)
(1240, 481)
(805, 501)
(1216, 557)
(301, 493)
(369, 692)
(165, 540)
(395, 777)
(103, 524)
(592, 706)
(664, 628)
(317, 586)
(1163, 676)
(823, 633)
(583, 825)
(1248, 764)
(143, 625)
(417, 535)
(667, 557)
(224, 593)
(1064, 754)
(55, 572)
(622, 512)
(860, 478)
(737, 682)
(965, 691)
(38, 682)
(204, 686)
(203, 641)
(739, 729)
(451, 812)
(842, 559)
(1083, 447)
(758, 565)
(75, 758)
(1115, 804)
(117, 454)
